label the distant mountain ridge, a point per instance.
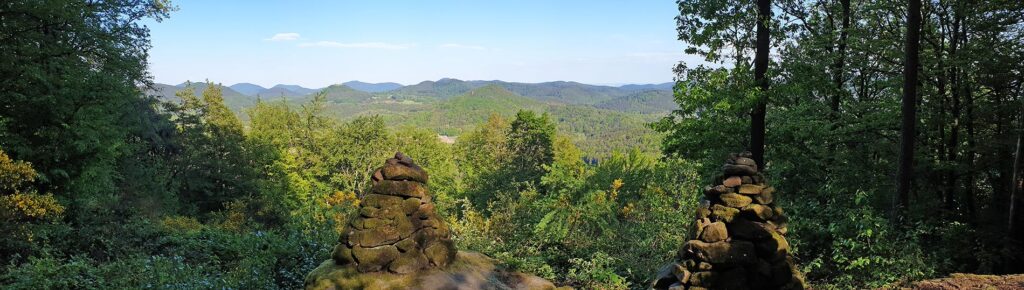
(593, 115)
(233, 99)
(247, 88)
(644, 87)
(372, 87)
(295, 89)
(557, 91)
(633, 98)
(277, 92)
(253, 90)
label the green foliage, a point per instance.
(596, 273)
(598, 133)
(645, 102)
(461, 112)
(631, 206)
(100, 188)
(188, 195)
(597, 129)
(216, 165)
(866, 251)
(71, 72)
(713, 114)
(717, 29)
(832, 129)
(481, 154)
(165, 257)
(24, 213)
(530, 142)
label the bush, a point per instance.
(178, 253)
(852, 246)
(596, 273)
(78, 272)
(608, 229)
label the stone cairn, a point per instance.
(396, 228)
(738, 242)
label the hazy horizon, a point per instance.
(402, 84)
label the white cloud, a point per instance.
(461, 46)
(288, 36)
(371, 45)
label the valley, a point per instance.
(599, 119)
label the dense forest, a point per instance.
(600, 119)
(894, 127)
(892, 131)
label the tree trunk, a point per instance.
(969, 199)
(948, 200)
(839, 79)
(1016, 186)
(940, 109)
(757, 122)
(839, 66)
(968, 93)
(904, 172)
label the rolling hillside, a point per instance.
(560, 91)
(233, 99)
(372, 87)
(645, 87)
(345, 94)
(594, 130)
(458, 114)
(596, 117)
(565, 92)
(441, 89)
(247, 88)
(294, 89)
(644, 102)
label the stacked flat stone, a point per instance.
(396, 228)
(739, 239)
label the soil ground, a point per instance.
(971, 281)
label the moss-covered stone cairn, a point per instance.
(739, 239)
(397, 241)
(396, 228)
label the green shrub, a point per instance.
(596, 273)
(852, 246)
(78, 272)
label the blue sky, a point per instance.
(318, 43)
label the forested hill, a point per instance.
(599, 119)
(558, 91)
(233, 99)
(892, 132)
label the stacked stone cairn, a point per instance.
(739, 240)
(396, 229)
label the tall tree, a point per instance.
(838, 69)
(757, 123)
(531, 141)
(908, 108)
(215, 166)
(69, 81)
(715, 101)
(1016, 188)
